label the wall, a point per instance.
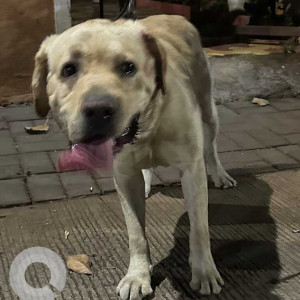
(23, 26)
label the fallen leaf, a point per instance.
(260, 101)
(38, 129)
(80, 264)
(67, 233)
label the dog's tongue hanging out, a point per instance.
(97, 154)
(87, 156)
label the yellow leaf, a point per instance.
(260, 102)
(80, 264)
(38, 129)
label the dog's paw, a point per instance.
(134, 287)
(206, 278)
(223, 180)
(147, 191)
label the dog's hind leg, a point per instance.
(203, 89)
(147, 173)
(214, 167)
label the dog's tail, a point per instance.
(128, 11)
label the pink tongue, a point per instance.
(87, 156)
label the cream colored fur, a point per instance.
(178, 128)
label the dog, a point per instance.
(144, 87)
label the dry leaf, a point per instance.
(80, 264)
(67, 233)
(38, 129)
(260, 101)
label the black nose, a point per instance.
(99, 112)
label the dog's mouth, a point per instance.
(95, 152)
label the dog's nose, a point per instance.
(99, 108)
(99, 113)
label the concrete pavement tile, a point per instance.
(236, 105)
(246, 141)
(78, 183)
(17, 127)
(293, 138)
(40, 146)
(99, 173)
(19, 113)
(10, 167)
(7, 146)
(227, 115)
(267, 137)
(276, 123)
(291, 150)
(277, 159)
(286, 104)
(253, 167)
(246, 124)
(36, 138)
(36, 163)
(226, 144)
(106, 185)
(45, 187)
(4, 133)
(13, 192)
(3, 125)
(54, 155)
(239, 157)
(255, 110)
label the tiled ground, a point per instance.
(252, 140)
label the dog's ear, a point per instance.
(39, 78)
(160, 61)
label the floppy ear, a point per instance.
(39, 78)
(160, 62)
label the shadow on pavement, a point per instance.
(243, 239)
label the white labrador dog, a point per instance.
(145, 85)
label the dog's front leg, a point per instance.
(205, 276)
(131, 189)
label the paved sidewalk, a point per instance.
(252, 140)
(253, 238)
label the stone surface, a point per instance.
(277, 159)
(8, 146)
(292, 151)
(45, 187)
(13, 192)
(10, 167)
(267, 137)
(106, 184)
(34, 163)
(243, 77)
(251, 229)
(257, 142)
(245, 140)
(78, 183)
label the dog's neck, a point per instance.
(149, 119)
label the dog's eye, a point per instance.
(127, 68)
(69, 70)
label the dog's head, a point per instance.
(98, 77)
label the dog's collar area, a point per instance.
(129, 135)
